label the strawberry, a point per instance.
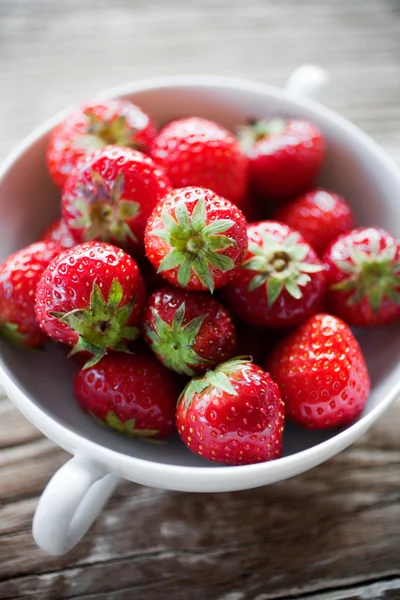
(131, 393)
(232, 415)
(110, 196)
(284, 156)
(58, 232)
(363, 268)
(320, 216)
(189, 333)
(197, 152)
(19, 276)
(281, 281)
(321, 373)
(90, 297)
(95, 125)
(196, 239)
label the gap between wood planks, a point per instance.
(371, 589)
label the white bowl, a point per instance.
(40, 382)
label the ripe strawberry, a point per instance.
(284, 157)
(90, 297)
(58, 232)
(110, 196)
(233, 414)
(320, 216)
(197, 152)
(95, 125)
(363, 268)
(19, 276)
(131, 393)
(189, 333)
(281, 280)
(184, 240)
(321, 373)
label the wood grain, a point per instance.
(332, 533)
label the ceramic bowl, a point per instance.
(40, 382)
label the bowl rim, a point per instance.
(223, 476)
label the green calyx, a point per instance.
(126, 427)
(251, 134)
(103, 325)
(280, 266)
(372, 274)
(11, 333)
(195, 246)
(173, 344)
(218, 378)
(103, 212)
(102, 133)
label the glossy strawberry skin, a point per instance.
(67, 283)
(320, 216)
(235, 430)
(69, 143)
(252, 306)
(132, 387)
(360, 313)
(19, 276)
(215, 341)
(58, 232)
(143, 186)
(321, 373)
(298, 150)
(197, 152)
(217, 209)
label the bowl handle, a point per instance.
(310, 81)
(72, 500)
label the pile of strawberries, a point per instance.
(201, 282)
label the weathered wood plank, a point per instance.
(14, 428)
(24, 470)
(351, 504)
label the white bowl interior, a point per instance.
(354, 167)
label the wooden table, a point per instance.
(332, 533)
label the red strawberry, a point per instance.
(197, 152)
(58, 232)
(233, 414)
(281, 281)
(19, 276)
(196, 239)
(320, 216)
(321, 373)
(284, 157)
(189, 333)
(363, 269)
(131, 393)
(110, 196)
(90, 297)
(95, 125)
